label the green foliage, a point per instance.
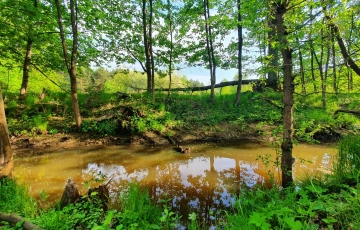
(40, 123)
(347, 163)
(104, 127)
(137, 210)
(85, 214)
(310, 207)
(14, 198)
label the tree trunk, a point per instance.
(348, 60)
(302, 72)
(273, 53)
(240, 45)
(210, 51)
(171, 46)
(26, 68)
(147, 49)
(321, 71)
(151, 52)
(324, 84)
(335, 83)
(312, 68)
(350, 80)
(71, 65)
(311, 52)
(288, 94)
(6, 156)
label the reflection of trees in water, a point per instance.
(203, 184)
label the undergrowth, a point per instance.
(102, 113)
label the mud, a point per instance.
(25, 146)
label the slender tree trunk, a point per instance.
(151, 52)
(335, 87)
(210, 51)
(273, 53)
(349, 72)
(171, 46)
(26, 69)
(213, 79)
(326, 71)
(240, 45)
(147, 49)
(321, 71)
(350, 80)
(302, 72)
(6, 155)
(312, 53)
(71, 64)
(26, 65)
(280, 10)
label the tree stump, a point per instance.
(70, 195)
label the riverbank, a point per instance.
(36, 128)
(33, 145)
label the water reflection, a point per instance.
(206, 180)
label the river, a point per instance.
(206, 180)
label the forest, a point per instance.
(77, 73)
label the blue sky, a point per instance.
(203, 75)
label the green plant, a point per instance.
(40, 123)
(193, 222)
(14, 198)
(347, 163)
(136, 210)
(53, 131)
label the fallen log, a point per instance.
(203, 88)
(354, 112)
(14, 219)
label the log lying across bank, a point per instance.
(14, 219)
(203, 88)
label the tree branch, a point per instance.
(48, 77)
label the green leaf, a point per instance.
(294, 225)
(259, 220)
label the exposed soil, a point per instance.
(25, 145)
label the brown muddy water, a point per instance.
(204, 181)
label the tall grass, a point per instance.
(347, 163)
(15, 198)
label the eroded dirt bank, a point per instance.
(25, 145)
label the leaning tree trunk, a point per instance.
(240, 45)
(6, 156)
(288, 94)
(71, 64)
(348, 60)
(26, 68)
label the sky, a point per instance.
(195, 73)
(203, 75)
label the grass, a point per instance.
(101, 112)
(15, 198)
